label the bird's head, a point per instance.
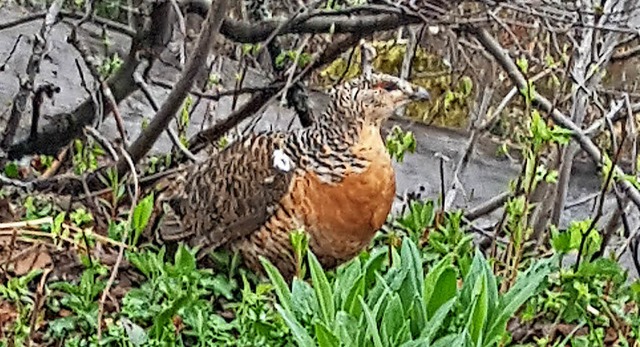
(377, 97)
(385, 96)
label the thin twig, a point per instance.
(172, 135)
(13, 49)
(125, 235)
(259, 100)
(104, 142)
(38, 303)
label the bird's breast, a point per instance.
(342, 218)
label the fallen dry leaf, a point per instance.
(37, 259)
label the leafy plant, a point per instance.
(399, 142)
(80, 299)
(365, 305)
(16, 291)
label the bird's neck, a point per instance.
(327, 147)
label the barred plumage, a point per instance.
(333, 179)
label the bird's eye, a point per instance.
(388, 86)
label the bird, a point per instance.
(333, 180)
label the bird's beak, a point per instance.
(420, 94)
(402, 98)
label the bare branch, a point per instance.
(201, 139)
(544, 104)
(158, 124)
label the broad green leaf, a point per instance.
(135, 333)
(492, 291)
(447, 341)
(347, 328)
(322, 288)
(601, 267)
(303, 298)
(299, 333)
(525, 287)
(373, 265)
(381, 304)
(414, 281)
(417, 315)
(351, 304)
(478, 316)
(325, 337)
(435, 323)
(282, 290)
(440, 285)
(141, 215)
(345, 280)
(420, 342)
(475, 271)
(185, 261)
(392, 320)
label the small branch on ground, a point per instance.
(600, 208)
(66, 127)
(461, 166)
(92, 65)
(103, 141)
(488, 206)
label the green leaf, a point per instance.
(348, 329)
(282, 290)
(351, 304)
(322, 288)
(602, 267)
(164, 318)
(560, 241)
(478, 316)
(525, 287)
(345, 278)
(412, 259)
(141, 215)
(136, 333)
(299, 333)
(372, 327)
(447, 341)
(11, 170)
(374, 264)
(523, 64)
(411, 288)
(325, 337)
(392, 320)
(475, 271)
(443, 278)
(435, 323)
(492, 290)
(185, 261)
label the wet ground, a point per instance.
(485, 177)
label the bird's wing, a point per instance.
(227, 196)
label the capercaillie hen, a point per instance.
(334, 180)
